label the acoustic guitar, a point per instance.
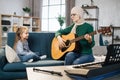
(70, 41)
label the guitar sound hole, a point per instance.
(67, 43)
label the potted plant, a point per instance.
(61, 20)
(5, 30)
(26, 10)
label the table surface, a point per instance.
(39, 75)
(47, 76)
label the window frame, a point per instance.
(48, 19)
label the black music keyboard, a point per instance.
(111, 64)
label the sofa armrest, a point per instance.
(99, 50)
(3, 59)
(99, 53)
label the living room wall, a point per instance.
(109, 11)
(11, 6)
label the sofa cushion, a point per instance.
(21, 66)
(14, 67)
(41, 44)
(11, 55)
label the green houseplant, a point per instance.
(5, 29)
(26, 10)
(61, 20)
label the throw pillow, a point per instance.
(11, 55)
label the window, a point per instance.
(51, 9)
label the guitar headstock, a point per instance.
(105, 31)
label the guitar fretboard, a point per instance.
(82, 37)
(105, 30)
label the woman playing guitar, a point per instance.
(79, 27)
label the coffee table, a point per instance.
(41, 75)
(47, 73)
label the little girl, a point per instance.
(21, 46)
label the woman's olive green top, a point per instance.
(84, 47)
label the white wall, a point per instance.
(109, 11)
(11, 6)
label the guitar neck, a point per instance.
(82, 37)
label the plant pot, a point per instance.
(26, 14)
(5, 34)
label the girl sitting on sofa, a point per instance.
(21, 46)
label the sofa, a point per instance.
(39, 43)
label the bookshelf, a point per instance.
(10, 23)
(92, 15)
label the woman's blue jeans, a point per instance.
(73, 58)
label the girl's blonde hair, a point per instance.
(19, 31)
